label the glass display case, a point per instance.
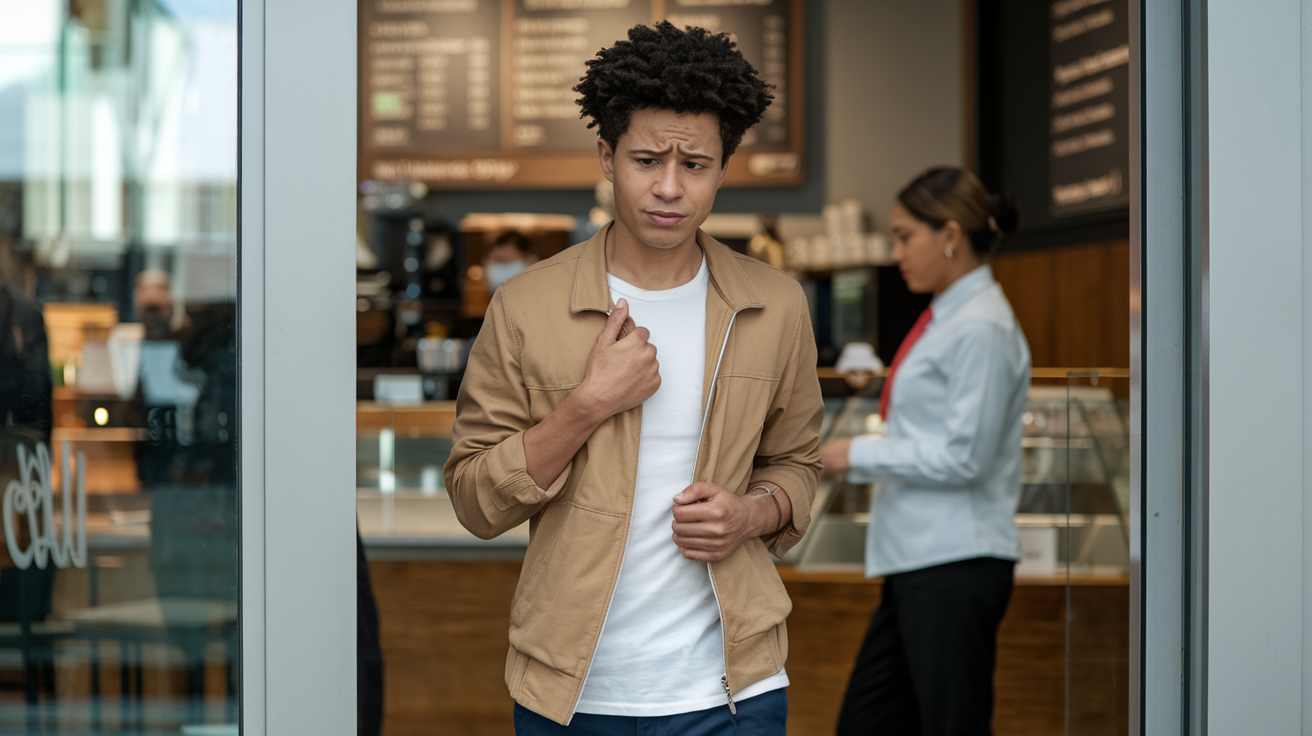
(1073, 512)
(402, 505)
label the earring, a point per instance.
(949, 252)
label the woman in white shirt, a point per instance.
(942, 529)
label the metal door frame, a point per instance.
(296, 274)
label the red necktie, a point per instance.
(916, 331)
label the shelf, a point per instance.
(431, 418)
(98, 434)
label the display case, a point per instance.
(1072, 517)
(402, 505)
(1073, 511)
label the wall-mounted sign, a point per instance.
(1089, 129)
(1053, 111)
(463, 94)
(29, 511)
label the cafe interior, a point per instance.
(471, 156)
(867, 96)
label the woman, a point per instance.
(942, 529)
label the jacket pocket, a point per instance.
(560, 603)
(734, 429)
(752, 595)
(542, 400)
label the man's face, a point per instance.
(666, 170)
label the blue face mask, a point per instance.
(499, 273)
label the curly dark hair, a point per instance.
(692, 71)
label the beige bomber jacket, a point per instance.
(763, 425)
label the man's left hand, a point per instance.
(710, 522)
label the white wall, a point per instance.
(893, 96)
(1256, 386)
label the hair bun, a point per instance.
(1005, 216)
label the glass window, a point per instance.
(118, 388)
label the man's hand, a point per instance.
(622, 369)
(834, 456)
(711, 523)
(622, 373)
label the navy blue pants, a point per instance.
(763, 715)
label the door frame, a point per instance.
(1221, 292)
(296, 297)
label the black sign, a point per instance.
(551, 41)
(1088, 145)
(428, 74)
(479, 93)
(1053, 115)
(760, 28)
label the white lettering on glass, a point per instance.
(31, 497)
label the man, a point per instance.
(655, 491)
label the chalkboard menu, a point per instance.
(1053, 112)
(463, 94)
(1089, 147)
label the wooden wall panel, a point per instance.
(444, 628)
(444, 644)
(1072, 302)
(829, 620)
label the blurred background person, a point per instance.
(942, 531)
(508, 254)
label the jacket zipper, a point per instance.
(610, 599)
(724, 643)
(706, 415)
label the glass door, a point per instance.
(118, 367)
(177, 517)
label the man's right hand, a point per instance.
(622, 369)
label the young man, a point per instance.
(655, 491)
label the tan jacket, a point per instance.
(764, 424)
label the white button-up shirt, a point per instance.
(948, 472)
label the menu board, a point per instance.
(1088, 145)
(463, 94)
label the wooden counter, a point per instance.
(444, 643)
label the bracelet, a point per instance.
(778, 509)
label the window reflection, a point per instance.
(118, 211)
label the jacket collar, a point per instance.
(592, 291)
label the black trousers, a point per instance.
(926, 665)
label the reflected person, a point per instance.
(26, 419)
(191, 477)
(943, 528)
(654, 491)
(152, 301)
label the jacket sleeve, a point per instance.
(486, 475)
(789, 452)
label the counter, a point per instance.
(445, 621)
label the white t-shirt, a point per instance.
(662, 649)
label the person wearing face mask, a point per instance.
(942, 530)
(509, 254)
